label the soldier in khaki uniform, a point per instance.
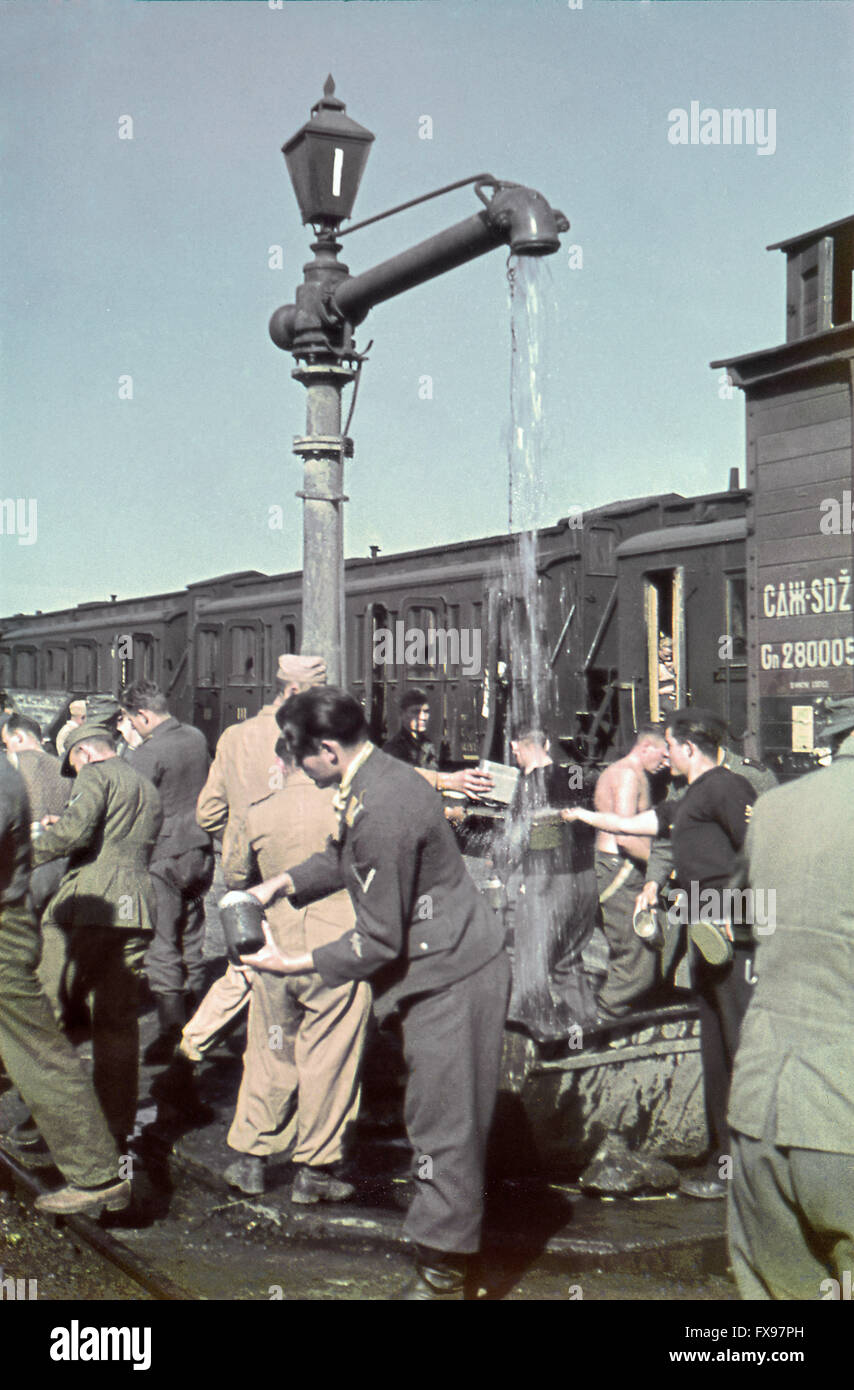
(39, 1058)
(791, 1107)
(106, 906)
(244, 770)
(305, 1039)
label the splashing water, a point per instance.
(537, 910)
(531, 292)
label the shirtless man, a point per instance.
(624, 789)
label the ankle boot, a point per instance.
(440, 1276)
(170, 1015)
(176, 1092)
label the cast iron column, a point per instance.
(323, 450)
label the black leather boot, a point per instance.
(176, 1093)
(171, 1014)
(440, 1276)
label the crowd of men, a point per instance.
(107, 855)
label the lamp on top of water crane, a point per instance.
(326, 159)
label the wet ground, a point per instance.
(545, 1241)
(234, 1249)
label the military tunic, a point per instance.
(36, 1053)
(791, 1213)
(175, 758)
(308, 1081)
(433, 950)
(106, 906)
(244, 770)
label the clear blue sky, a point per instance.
(149, 257)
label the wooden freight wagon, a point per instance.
(800, 548)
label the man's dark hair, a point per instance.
(413, 699)
(283, 751)
(325, 712)
(698, 726)
(144, 695)
(650, 730)
(529, 733)
(25, 724)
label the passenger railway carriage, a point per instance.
(753, 586)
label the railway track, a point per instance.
(96, 1240)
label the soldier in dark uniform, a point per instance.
(660, 868)
(411, 743)
(431, 948)
(174, 757)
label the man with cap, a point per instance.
(791, 1107)
(76, 716)
(244, 769)
(301, 1069)
(37, 1055)
(105, 906)
(174, 757)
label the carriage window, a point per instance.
(289, 637)
(6, 669)
(135, 657)
(602, 551)
(207, 657)
(244, 655)
(25, 668)
(736, 621)
(424, 655)
(665, 640)
(55, 668)
(83, 667)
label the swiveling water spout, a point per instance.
(514, 216)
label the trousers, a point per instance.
(790, 1219)
(301, 1067)
(225, 999)
(43, 1065)
(723, 994)
(103, 973)
(632, 968)
(452, 1043)
(174, 961)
